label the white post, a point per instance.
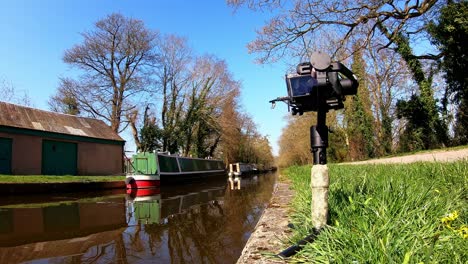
(231, 183)
(319, 185)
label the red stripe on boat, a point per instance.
(139, 184)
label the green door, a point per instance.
(59, 158)
(5, 155)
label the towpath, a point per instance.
(272, 231)
(432, 156)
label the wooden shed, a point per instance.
(34, 141)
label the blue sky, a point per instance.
(35, 34)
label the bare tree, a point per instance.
(65, 101)
(116, 58)
(132, 118)
(195, 100)
(294, 141)
(8, 91)
(211, 86)
(305, 23)
(301, 26)
(11, 94)
(387, 78)
(171, 82)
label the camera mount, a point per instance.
(319, 85)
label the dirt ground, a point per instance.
(271, 234)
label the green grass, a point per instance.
(56, 179)
(412, 213)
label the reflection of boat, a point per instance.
(144, 206)
(235, 183)
(151, 208)
(147, 169)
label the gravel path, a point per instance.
(434, 156)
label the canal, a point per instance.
(204, 222)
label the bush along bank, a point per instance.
(411, 213)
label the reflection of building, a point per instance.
(62, 229)
(59, 248)
(33, 141)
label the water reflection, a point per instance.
(196, 223)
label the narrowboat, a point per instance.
(238, 169)
(149, 169)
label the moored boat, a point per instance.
(238, 169)
(148, 169)
(143, 192)
(142, 171)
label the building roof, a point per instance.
(16, 116)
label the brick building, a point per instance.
(34, 141)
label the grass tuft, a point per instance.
(407, 213)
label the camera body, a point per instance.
(319, 85)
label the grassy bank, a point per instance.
(56, 179)
(412, 213)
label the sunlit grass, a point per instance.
(412, 213)
(56, 179)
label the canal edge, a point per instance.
(38, 188)
(272, 229)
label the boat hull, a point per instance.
(142, 181)
(143, 194)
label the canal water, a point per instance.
(205, 222)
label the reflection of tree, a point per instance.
(155, 233)
(143, 238)
(190, 235)
(121, 252)
(114, 252)
(207, 230)
(100, 253)
(246, 206)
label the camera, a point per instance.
(318, 85)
